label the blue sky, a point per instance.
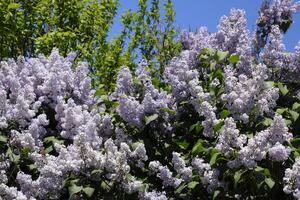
(191, 14)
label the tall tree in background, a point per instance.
(29, 27)
(145, 35)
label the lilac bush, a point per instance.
(222, 123)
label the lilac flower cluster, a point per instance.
(270, 141)
(233, 36)
(136, 103)
(30, 87)
(292, 180)
(243, 94)
(274, 12)
(209, 175)
(184, 79)
(35, 92)
(230, 138)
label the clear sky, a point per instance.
(191, 14)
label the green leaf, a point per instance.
(212, 65)
(267, 121)
(270, 182)
(207, 51)
(269, 84)
(180, 188)
(96, 171)
(295, 142)
(168, 110)
(89, 191)
(193, 184)
(14, 6)
(49, 149)
(105, 186)
(283, 89)
(100, 91)
(198, 147)
(155, 81)
(298, 96)
(233, 59)
(218, 74)
(3, 139)
(214, 158)
(218, 126)
(294, 115)
(184, 102)
(216, 194)
(225, 113)
(281, 110)
(237, 177)
(197, 127)
(265, 171)
(288, 122)
(53, 140)
(296, 106)
(183, 144)
(149, 119)
(32, 167)
(221, 55)
(12, 157)
(74, 189)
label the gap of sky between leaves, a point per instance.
(192, 14)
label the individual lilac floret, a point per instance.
(292, 180)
